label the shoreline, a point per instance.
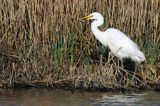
(72, 88)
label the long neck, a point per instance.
(94, 27)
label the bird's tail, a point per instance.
(139, 57)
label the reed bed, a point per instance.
(45, 42)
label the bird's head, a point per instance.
(94, 16)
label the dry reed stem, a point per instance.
(46, 32)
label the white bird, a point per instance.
(120, 45)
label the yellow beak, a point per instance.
(87, 17)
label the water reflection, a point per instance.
(143, 99)
(44, 97)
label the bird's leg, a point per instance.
(124, 73)
(124, 81)
(110, 57)
(122, 63)
(136, 76)
(121, 58)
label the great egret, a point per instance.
(119, 44)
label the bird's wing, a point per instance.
(118, 41)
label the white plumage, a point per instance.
(119, 44)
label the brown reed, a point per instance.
(45, 42)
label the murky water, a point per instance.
(43, 97)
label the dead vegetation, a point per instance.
(45, 43)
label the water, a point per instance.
(44, 97)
